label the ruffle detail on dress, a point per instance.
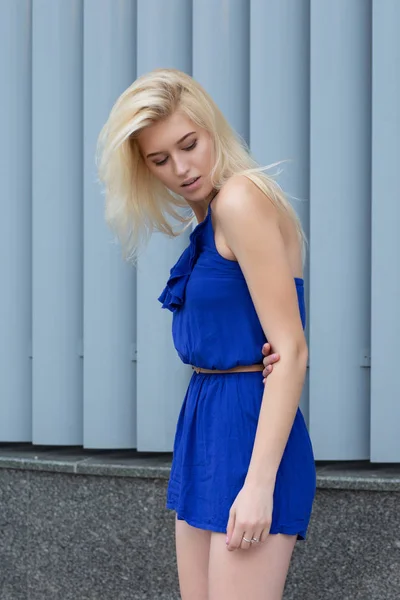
(173, 295)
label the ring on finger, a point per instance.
(255, 540)
(246, 540)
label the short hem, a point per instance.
(212, 526)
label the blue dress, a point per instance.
(215, 326)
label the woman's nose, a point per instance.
(180, 167)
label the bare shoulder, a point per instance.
(240, 209)
(246, 217)
(240, 199)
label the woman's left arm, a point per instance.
(250, 225)
(251, 229)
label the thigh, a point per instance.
(258, 573)
(192, 551)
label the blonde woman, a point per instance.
(243, 477)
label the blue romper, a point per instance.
(215, 326)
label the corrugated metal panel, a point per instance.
(340, 228)
(385, 381)
(57, 221)
(109, 285)
(162, 378)
(295, 81)
(15, 222)
(221, 56)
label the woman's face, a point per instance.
(180, 154)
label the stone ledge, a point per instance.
(355, 475)
(361, 475)
(75, 460)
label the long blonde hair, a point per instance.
(137, 203)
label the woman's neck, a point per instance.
(200, 208)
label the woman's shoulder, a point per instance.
(241, 207)
(239, 195)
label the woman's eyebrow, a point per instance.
(178, 142)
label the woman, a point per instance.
(243, 477)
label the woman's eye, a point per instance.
(192, 146)
(161, 162)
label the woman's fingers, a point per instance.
(267, 371)
(264, 535)
(230, 527)
(236, 539)
(246, 542)
(240, 540)
(266, 349)
(269, 360)
(257, 538)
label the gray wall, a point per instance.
(86, 355)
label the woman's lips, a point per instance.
(194, 185)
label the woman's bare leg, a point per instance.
(192, 551)
(258, 573)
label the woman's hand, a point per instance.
(250, 516)
(268, 360)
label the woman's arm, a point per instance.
(250, 226)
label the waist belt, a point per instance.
(239, 369)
